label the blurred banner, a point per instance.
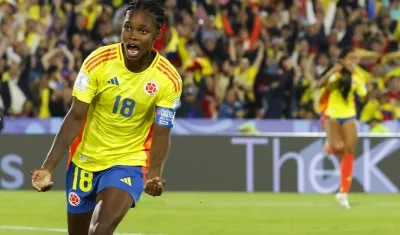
(222, 163)
(193, 126)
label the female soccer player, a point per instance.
(124, 104)
(341, 83)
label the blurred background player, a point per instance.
(112, 126)
(342, 82)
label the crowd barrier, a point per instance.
(280, 162)
(192, 126)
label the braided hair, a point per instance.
(346, 81)
(152, 6)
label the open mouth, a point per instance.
(132, 50)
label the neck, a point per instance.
(139, 65)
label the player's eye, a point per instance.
(127, 27)
(143, 31)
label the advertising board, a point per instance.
(233, 163)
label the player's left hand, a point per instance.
(41, 180)
(154, 186)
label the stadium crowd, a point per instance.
(237, 58)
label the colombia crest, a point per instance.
(150, 88)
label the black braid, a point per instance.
(346, 81)
(152, 6)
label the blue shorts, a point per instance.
(343, 120)
(83, 186)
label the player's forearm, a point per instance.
(159, 151)
(63, 140)
(324, 80)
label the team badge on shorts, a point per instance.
(150, 88)
(74, 199)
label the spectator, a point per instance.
(238, 59)
(232, 107)
(376, 126)
(190, 106)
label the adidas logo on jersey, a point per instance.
(127, 181)
(113, 81)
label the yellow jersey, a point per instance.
(123, 107)
(321, 100)
(249, 76)
(371, 110)
(337, 106)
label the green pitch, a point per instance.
(31, 213)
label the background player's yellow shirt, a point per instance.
(118, 127)
(338, 107)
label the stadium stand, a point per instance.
(238, 59)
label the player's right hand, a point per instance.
(41, 180)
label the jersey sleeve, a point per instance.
(86, 83)
(168, 103)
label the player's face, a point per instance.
(138, 34)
